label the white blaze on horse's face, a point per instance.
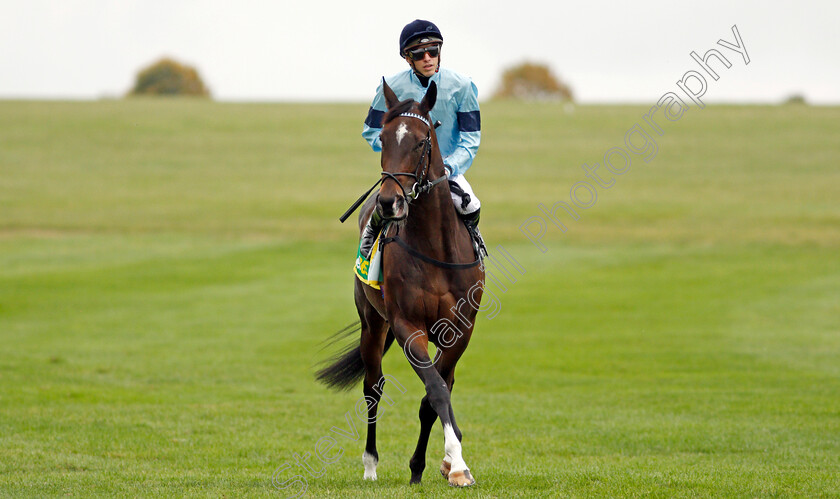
(402, 131)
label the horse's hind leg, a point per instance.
(417, 464)
(372, 347)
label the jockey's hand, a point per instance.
(447, 171)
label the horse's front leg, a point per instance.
(415, 347)
(372, 346)
(428, 416)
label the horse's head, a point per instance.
(407, 144)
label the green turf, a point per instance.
(169, 269)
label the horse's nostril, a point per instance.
(386, 205)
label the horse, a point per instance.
(430, 276)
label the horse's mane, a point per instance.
(397, 110)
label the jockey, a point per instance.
(457, 110)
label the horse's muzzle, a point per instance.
(393, 208)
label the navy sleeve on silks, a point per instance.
(469, 121)
(373, 121)
(374, 118)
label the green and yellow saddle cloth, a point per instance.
(369, 270)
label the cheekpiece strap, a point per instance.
(412, 115)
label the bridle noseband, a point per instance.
(421, 185)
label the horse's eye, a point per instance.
(418, 146)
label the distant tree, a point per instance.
(531, 81)
(168, 77)
(796, 99)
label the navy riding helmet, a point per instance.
(415, 31)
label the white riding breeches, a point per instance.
(474, 203)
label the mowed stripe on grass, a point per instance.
(169, 269)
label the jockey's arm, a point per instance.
(468, 117)
(466, 114)
(373, 122)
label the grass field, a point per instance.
(169, 269)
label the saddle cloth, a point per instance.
(369, 270)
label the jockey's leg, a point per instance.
(372, 228)
(468, 207)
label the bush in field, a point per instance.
(797, 99)
(530, 81)
(168, 77)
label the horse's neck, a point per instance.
(433, 223)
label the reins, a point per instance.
(413, 252)
(421, 185)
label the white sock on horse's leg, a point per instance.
(370, 463)
(453, 449)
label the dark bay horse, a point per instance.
(431, 291)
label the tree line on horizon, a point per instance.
(525, 81)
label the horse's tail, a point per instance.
(346, 368)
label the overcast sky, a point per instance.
(281, 50)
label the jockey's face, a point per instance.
(426, 65)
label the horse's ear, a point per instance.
(429, 99)
(390, 96)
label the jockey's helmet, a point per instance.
(418, 32)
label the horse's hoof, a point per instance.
(461, 479)
(444, 469)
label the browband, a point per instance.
(412, 115)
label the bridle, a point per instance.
(420, 185)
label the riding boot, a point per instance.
(372, 228)
(471, 221)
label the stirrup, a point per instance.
(478, 241)
(471, 222)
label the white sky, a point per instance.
(337, 50)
